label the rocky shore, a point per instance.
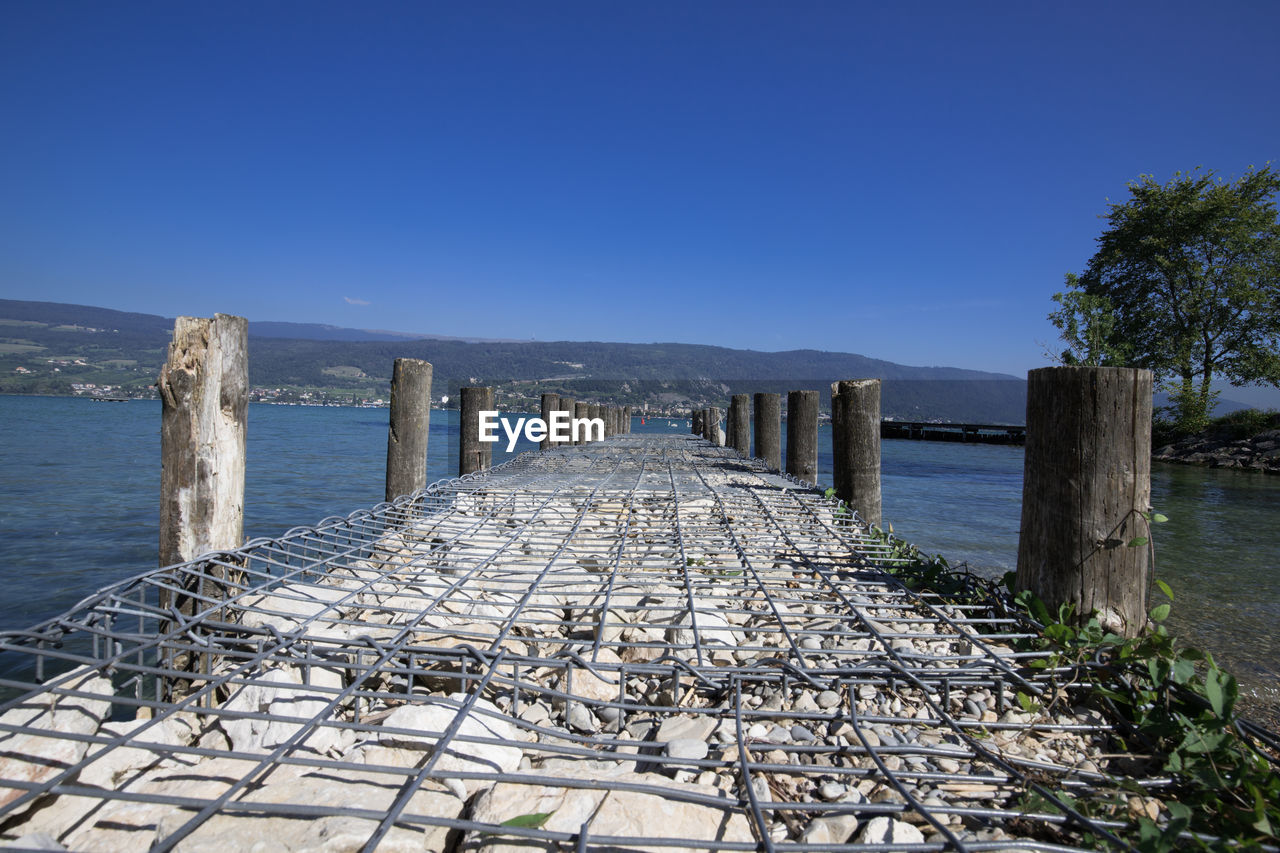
(1215, 450)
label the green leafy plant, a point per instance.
(1178, 709)
(1173, 706)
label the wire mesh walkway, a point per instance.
(642, 644)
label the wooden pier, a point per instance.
(967, 433)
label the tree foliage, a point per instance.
(1190, 271)
(1087, 323)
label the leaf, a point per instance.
(1213, 691)
(1164, 587)
(1184, 670)
(530, 821)
(1137, 542)
(1261, 822)
(1158, 518)
(1159, 613)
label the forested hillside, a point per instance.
(51, 348)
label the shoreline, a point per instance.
(1259, 453)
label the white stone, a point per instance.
(886, 830)
(712, 628)
(425, 724)
(832, 829)
(364, 790)
(43, 752)
(287, 606)
(660, 815)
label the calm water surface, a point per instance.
(80, 484)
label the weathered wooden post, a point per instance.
(581, 411)
(1086, 487)
(410, 425)
(802, 436)
(204, 393)
(696, 421)
(856, 420)
(568, 406)
(768, 423)
(712, 423)
(473, 454)
(594, 411)
(838, 469)
(740, 423)
(626, 420)
(550, 403)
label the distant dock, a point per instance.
(966, 433)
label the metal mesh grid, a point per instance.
(647, 643)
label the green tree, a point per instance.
(1087, 324)
(1191, 272)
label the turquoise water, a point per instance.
(80, 484)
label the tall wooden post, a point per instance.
(802, 436)
(473, 454)
(410, 424)
(581, 411)
(568, 406)
(595, 413)
(626, 420)
(768, 433)
(204, 416)
(856, 420)
(838, 469)
(696, 422)
(1086, 485)
(550, 403)
(740, 423)
(714, 433)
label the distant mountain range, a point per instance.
(48, 347)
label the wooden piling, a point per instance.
(596, 413)
(768, 430)
(204, 393)
(1086, 487)
(856, 451)
(580, 411)
(409, 428)
(802, 436)
(740, 424)
(838, 469)
(550, 403)
(473, 454)
(626, 420)
(696, 420)
(711, 424)
(568, 406)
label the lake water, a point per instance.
(80, 485)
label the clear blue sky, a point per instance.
(909, 181)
